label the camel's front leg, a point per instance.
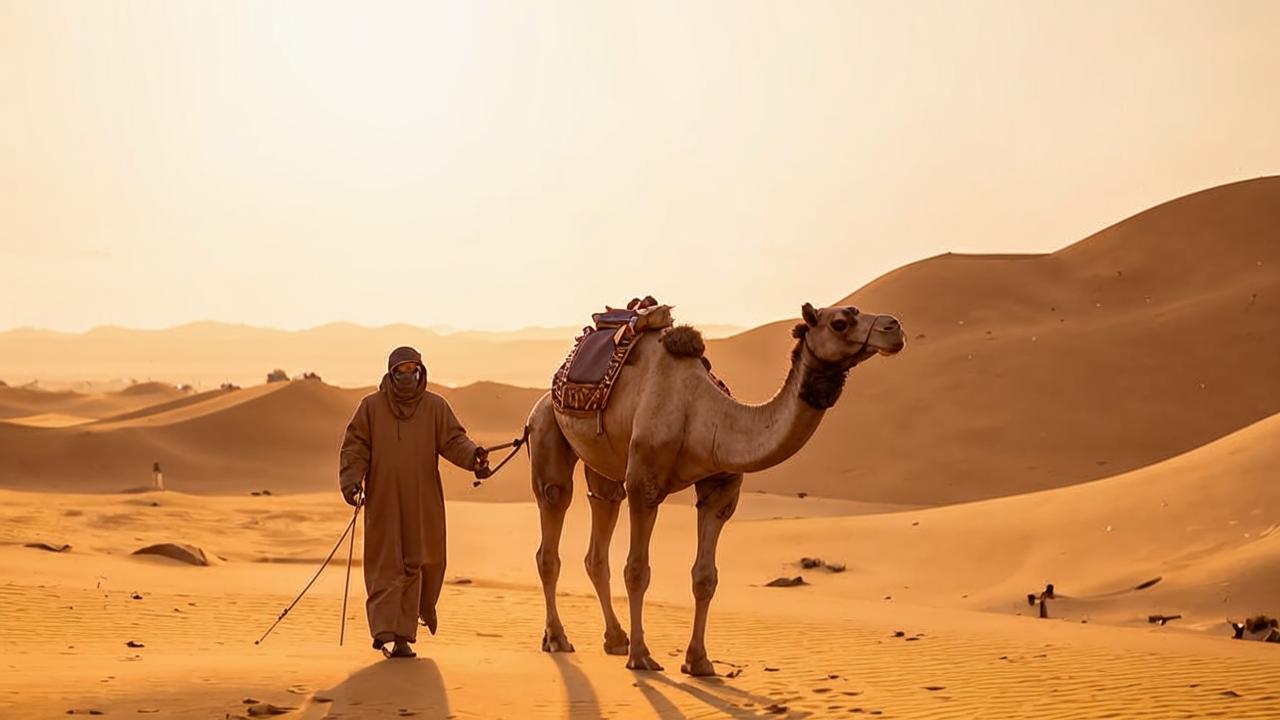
(717, 499)
(643, 498)
(606, 500)
(553, 462)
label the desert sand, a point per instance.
(1105, 419)
(951, 580)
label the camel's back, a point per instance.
(651, 392)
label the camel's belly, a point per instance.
(605, 452)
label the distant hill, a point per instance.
(1145, 340)
(207, 354)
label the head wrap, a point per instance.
(403, 404)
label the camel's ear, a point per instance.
(809, 314)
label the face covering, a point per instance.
(406, 382)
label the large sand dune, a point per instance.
(1152, 337)
(282, 437)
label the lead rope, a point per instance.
(481, 476)
(350, 529)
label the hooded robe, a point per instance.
(392, 445)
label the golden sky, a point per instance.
(292, 164)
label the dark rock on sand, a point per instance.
(268, 709)
(189, 554)
(786, 582)
(51, 547)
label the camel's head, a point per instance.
(845, 336)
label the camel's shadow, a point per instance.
(387, 686)
(660, 692)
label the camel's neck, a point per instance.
(751, 438)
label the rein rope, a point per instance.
(515, 445)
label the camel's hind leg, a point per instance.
(717, 499)
(553, 461)
(606, 500)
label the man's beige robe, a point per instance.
(404, 541)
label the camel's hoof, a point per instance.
(557, 642)
(643, 663)
(616, 643)
(698, 668)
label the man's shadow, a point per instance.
(387, 686)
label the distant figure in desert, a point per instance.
(389, 462)
(157, 477)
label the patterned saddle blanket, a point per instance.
(587, 376)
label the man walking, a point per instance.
(389, 461)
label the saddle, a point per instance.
(585, 379)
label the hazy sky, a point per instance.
(292, 164)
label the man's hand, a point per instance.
(482, 463)
(352, 494)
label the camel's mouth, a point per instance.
(893, 349)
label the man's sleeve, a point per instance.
(452, 440)
(353, 461)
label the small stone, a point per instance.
(134, 644)
(899, 633)
(811, 563)
(136, 596)
(776, 709)
(182, 553)
(51, 547)
(786, 582)
(268, 709)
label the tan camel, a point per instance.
(668, 426)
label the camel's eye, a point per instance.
(839, 325)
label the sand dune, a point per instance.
(206, 355)
(25, 402)
(1150, 338)
(278, 436)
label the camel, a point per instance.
(669, 426)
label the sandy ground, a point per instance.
(827, 649)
